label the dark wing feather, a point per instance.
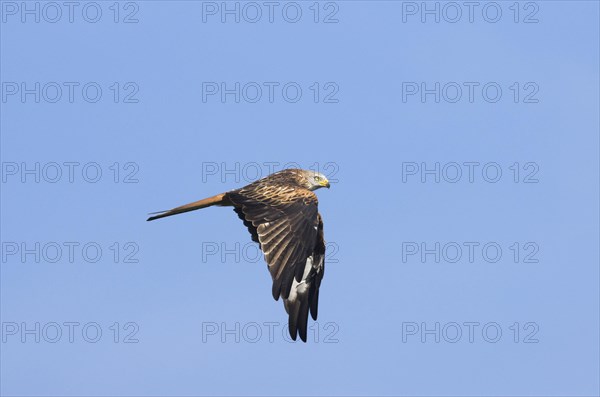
(306, 296)
(248, 224)
(319, 254)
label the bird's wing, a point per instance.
(285, 221)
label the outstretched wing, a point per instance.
(284, 220)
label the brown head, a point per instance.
(307, 179)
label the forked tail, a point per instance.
(219, 199)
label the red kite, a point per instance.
(280, 211)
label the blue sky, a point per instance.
(462, 225)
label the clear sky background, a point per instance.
(198, 317)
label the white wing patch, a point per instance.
(301, 287)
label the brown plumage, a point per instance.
(281, 213)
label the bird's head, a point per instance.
(314, 180)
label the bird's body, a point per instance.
(281, 213)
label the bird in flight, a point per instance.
(280, 212)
